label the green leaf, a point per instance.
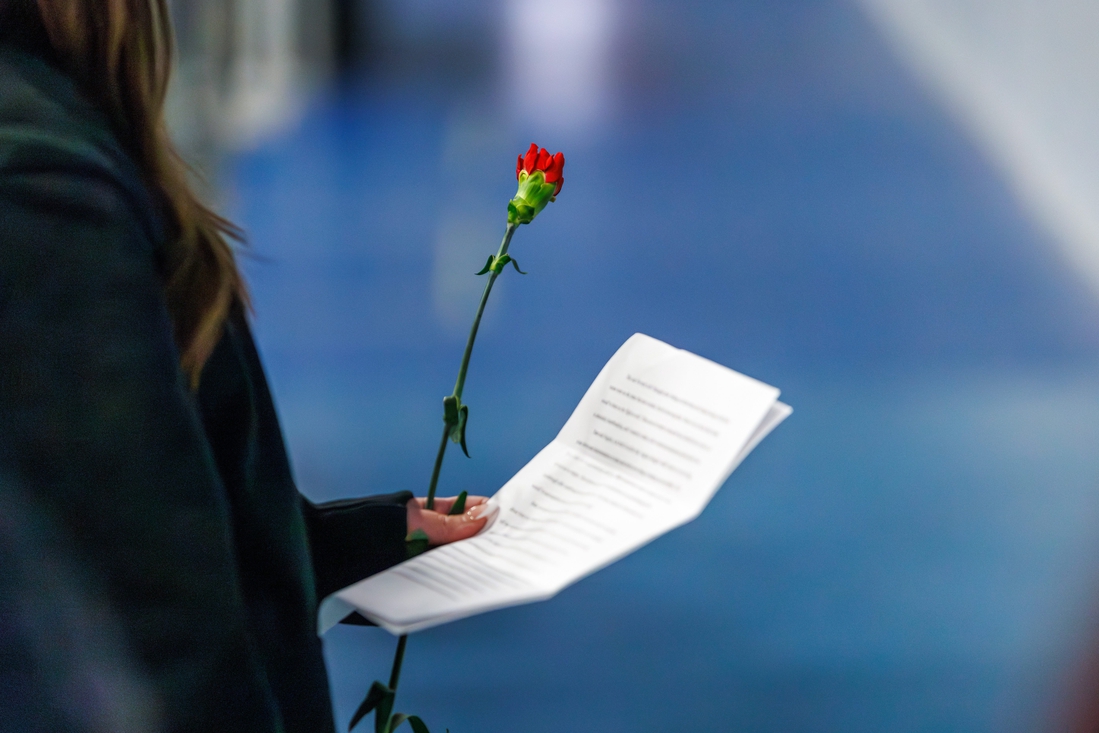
(516, 266)
(459, 505)
(417, 543)
(414, 720)
(463, 416)
(377, 693)
(385, 707)
(501, 263)
(458, 429)
(488, 265)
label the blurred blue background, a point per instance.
(768, 185)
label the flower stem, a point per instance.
(398, 659)
(460, 384)
(438, 467)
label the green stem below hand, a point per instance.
(398, 659)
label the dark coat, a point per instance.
(170, 517)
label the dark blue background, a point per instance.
(914, 550)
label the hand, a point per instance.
(442, 529)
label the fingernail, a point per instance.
(483, 511)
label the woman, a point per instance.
(137, 433)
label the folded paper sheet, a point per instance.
(654, 437)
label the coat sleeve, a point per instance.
(102, 434)
(355, 538)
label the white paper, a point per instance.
(652, 440)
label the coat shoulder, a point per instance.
(49, 132)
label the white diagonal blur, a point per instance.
(263, 84)
(1023, 77)
(559, 61)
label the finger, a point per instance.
(442, 529)
(443, 504)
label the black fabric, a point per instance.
(21, 26)
(63, 661)
(177, 511)
(342, 553)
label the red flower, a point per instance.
(540, 160)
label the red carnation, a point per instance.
(540, 160)
(540, 180)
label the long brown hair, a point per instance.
(121, 52)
